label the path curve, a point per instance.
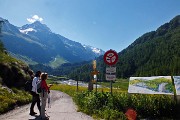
(62, 108)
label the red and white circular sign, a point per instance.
(110, 57)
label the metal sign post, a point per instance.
(111, 58)
(110, 75)
(111, 80)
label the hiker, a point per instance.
(35, 95)
(44, 94)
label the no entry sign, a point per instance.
(110, 57)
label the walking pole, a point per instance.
(49, 101)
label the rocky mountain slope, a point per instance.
(13, 73)
(36, 43)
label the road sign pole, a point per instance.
(111, 87)
(95, 80)
(110, 58)
(111, 82)
(96, 85)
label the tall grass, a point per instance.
(113, 106)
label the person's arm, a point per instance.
(44, 85)
(47, 87)
(34, 84)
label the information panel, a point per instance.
(151, 85)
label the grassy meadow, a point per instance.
(104, 105)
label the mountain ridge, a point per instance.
(159, 48)
(155, 53)
(36, 39)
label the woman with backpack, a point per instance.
(44, 95)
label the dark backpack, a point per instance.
(28, 85)
(38, 85)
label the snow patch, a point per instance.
(27, 30)
(96, 50)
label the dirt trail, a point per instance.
(62, 108)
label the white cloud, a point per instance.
(34, 18)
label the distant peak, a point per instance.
(35, 26)
(94, 49)
(37, 23)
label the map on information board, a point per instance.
(151, 85)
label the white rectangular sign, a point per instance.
(158, 85)
(110, 77)
(110, 69)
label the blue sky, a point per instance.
(106, 24)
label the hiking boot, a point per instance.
(46, 118)
(32, 113)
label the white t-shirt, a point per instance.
(34, 84)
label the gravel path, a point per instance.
(61, 108)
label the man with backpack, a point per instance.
(35, 95)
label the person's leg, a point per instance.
(33, 104)
(43, 104)
(39, 103)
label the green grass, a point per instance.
(24, 59)
(13, 97)
(113, 107)
(103, 105)
(8, 100)
(4, 58)
(121, 84)
(57, 62)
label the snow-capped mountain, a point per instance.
(97, 51)
(37, 43)
(36, 26)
